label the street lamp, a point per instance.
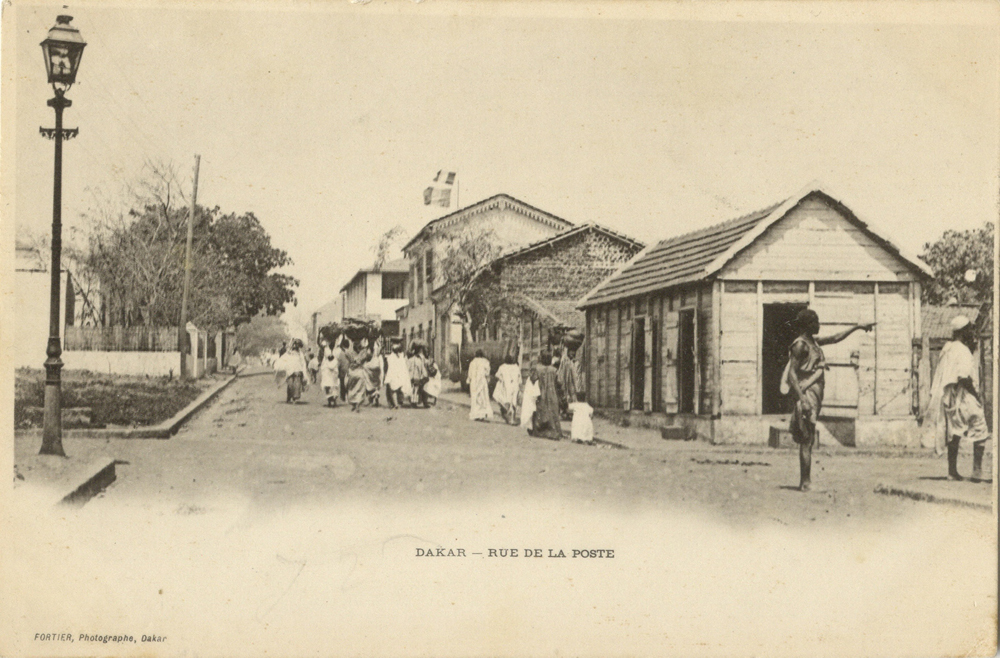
(63, 48)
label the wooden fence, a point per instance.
(120, 339)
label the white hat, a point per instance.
(959, 322)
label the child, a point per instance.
(433, 386)
(529, 402)
(582, 428)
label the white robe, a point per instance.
(529, 403)
(508, 384)
(582, 428)
(952, 409)
(397, 374)
(479, 389)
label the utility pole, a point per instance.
(182, 329)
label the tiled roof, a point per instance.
(695, 256)
(935, 321)
(555, 312)
(675, 260)
(494, 201)
(571, 232)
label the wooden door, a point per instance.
(668, 358)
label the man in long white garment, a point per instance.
(479, 388)
(955, 406)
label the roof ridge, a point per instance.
(757, 214)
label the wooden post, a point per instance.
(718, 288)
(760, 344)
(875, 347)
(181, 329)
(697, 352)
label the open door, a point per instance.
(778, 333)
(686, 362)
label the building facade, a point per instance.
(543, 282)
(510, 223)
(696, 329)
(374, 294)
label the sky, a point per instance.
(329, 120)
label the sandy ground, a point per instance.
(285, 529)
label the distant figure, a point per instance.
(313, 362)
(418, 375)
(397, 377)
(479, 388)
(343, 366)
(293, 364)
(507, 388)
(329, 378)
(955, 407)
(806, 368)
(433, 386)
(529, 399)
(357, 380)
(282, 350)
(568, 381)
(547, 420)
(582, 428)
(373, 374)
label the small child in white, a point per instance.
(582, 428)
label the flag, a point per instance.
(440, 192)
(437, 196)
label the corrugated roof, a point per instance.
(494, 201)
(935, 321)
(675, 260)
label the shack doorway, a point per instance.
(778, 333)
(685, 361)
(638, 362)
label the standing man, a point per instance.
(806, 374)
(955, 403)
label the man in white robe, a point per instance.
(955, 409)
(479, 388)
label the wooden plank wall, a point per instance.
(739, 350)
(893, 350)
(706, 347)
(814, 242)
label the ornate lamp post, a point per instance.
(63, 48)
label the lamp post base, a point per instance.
(52, 420)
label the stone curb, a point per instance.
(164, 430)
(92, 486)
(921, 496)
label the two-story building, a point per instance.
(374, 294)
(509, 221)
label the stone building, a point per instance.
(695, 330)
(543, 282)
(510, 222)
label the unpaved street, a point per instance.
(251, 444)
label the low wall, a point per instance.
(154, 364)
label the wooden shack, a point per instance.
(695, 330)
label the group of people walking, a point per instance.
(551, 391)
(357, 371)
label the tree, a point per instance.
(384, 247)
(471, 288)
(136, 251)
(951, 257)
(261, 334)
